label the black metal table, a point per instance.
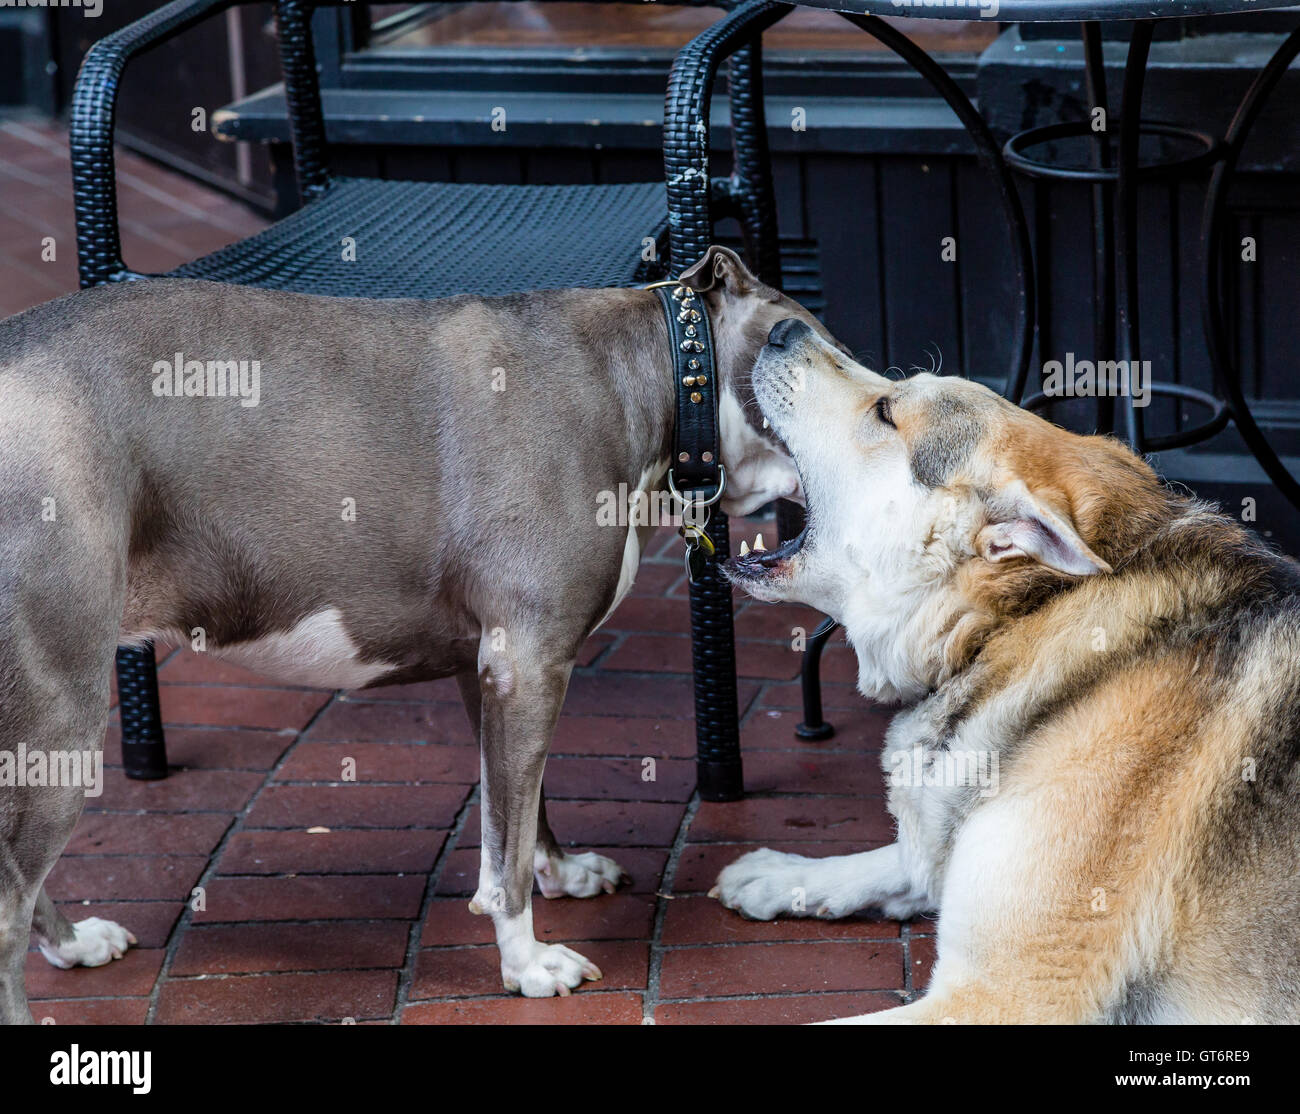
(1046, 11)
(1113, 171)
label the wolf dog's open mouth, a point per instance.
(758, 564)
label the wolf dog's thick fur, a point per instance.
(1125, 659)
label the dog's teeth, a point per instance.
(759, 547)
(744, 548)
(766, 423)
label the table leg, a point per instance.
(990, 155)
(1216, 333)
(1126, 199)
(1103, 218)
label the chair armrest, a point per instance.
(686, 122)
(94, 107)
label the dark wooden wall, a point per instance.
(871, 194)
(878, 222)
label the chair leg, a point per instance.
(814, 727)
(719, 774)
(790, 520)
(144, 750)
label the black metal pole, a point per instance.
(1216, 333)
(990, 155)
(814, 727)
(1126, 200)
(1103, 222)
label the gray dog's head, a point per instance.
(743, 310)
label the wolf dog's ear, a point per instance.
(719, 266)
(1024, 526)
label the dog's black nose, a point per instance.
(783, 332)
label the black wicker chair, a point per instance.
(417, 238)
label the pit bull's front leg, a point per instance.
(522, 685)
(559, 873)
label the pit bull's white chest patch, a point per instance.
(318, 651)
(639, 496)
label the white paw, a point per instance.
(97, 942)
(552, 969)
(765, 884)
(582, 875)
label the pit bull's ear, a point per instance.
(1024, 526)
(719, 267)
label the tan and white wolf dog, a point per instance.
(1124, 660)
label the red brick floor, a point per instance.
(165, 219)
(264, 885)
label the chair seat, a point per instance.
(436, 239)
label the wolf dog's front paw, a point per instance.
(552, 969)
(766, 884)
(582, 875)
(97, 942)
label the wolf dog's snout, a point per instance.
(784, 332)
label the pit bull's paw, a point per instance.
(97, 942)
(582, 875)
(766, 884)
(553, 969)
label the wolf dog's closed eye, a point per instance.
(1095, 778)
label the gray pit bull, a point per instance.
(397, 491)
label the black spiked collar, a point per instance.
(695, 466)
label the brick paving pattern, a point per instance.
(265, 886)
